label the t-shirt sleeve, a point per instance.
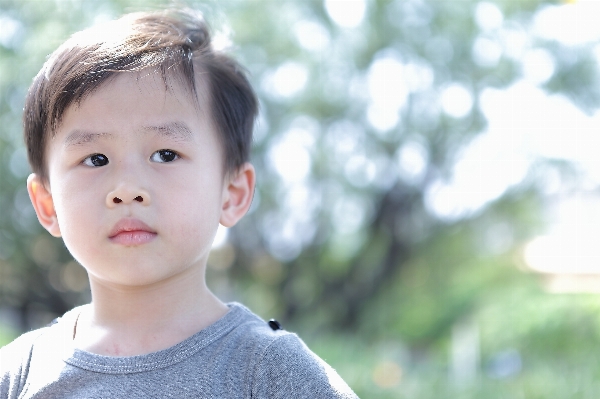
(14, 365)
(288, 369)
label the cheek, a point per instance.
(75, 210)
(198, 217)
(195, 216)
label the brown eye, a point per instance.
(163, 156)
(96, 160)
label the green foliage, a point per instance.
(6, 335)
(350, 247)
(553, 335)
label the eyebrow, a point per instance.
(81, 137)
(173, 130)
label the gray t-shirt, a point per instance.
(239, 356)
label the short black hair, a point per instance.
(173, 43)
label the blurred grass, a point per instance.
(7, 334)
(369, 370)
(554, 335)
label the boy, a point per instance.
(138, 134)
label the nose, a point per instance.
(126, 194)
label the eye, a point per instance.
(95, 160)
(164, 156)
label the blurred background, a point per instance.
(428, 187)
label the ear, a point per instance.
(237, 196)
(43, 204)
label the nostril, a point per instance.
(139, 198)
(116, 200)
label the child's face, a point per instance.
(136, 181)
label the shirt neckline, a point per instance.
(151, 361)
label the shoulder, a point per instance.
(284, 367)
(14, 363)
(18, 347)
(13, 353)
(249, 333)
(16, 357)
(257, 359)
(289, 369)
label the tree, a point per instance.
(366, 113)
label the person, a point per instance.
(138, 133)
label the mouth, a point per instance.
(131, 232)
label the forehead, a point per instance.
(136, 97)
(150, 86)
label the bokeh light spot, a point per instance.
(387, 374)
(457, 100)
(346, 13)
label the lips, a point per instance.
(131, 232)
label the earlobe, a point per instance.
(238, 194)
(42, 202)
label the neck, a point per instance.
(128, 321)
